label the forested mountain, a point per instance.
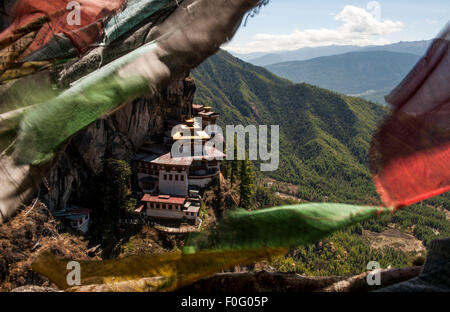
(324, 144)
(324, 136)
(367, 74)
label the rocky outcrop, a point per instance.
(291, 282)
(117, 136)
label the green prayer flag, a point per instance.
(286, 226)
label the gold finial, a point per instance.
(190, 122)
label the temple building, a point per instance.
(163, 174)
(77, 217)
(208, 116)
(205, 166)
(167, 179)
(196, 108)
(168, 207)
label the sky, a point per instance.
(294, 24)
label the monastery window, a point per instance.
(181, 178)
(165, 177)
(176, 177)
(170, 177)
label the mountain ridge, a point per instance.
(412, 47)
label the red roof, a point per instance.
(197, 106)
(164, 199)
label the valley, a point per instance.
(324, 143)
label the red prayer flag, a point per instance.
(82, 34)
(410, 153)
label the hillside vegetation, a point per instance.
(324, 136)
(324, 143)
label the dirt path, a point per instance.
(396, 239)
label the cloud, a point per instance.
(430, 22)
(359, 27)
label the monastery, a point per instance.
(169, 182)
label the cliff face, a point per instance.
(117, 136)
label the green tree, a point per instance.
(117, 177)
(247, 183)
(235, 165)
(111, 197)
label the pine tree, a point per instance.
(117, 176)
(234, 171)
(235, 165)
(247, 183)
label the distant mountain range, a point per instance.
(413, 47)
(368, 74)
(324, 136)
(249, 56)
